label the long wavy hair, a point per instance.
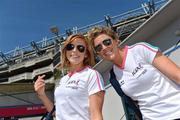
(89, 60)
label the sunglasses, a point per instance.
(105, 42)
(70, 47)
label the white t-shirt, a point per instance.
(157, 96)
(71, 95)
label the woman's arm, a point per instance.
(96, 103)
(39, 87)
(167, 67)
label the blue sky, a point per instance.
(23, 21)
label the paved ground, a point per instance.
(32, 118)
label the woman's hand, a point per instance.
(39, 85)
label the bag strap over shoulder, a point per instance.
(127, 99)
(49, 115)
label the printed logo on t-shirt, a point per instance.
(121, 82)
(139, 67)
(139, 70)
(73, 84)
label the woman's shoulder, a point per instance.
(92, 70)
(139, 45)
(142, 45)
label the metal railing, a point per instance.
(49, 43)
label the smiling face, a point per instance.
(106, 47)
(76, 52)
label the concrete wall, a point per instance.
(26, 98)
(112, 109)
(166, 40)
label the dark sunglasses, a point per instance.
(105, 42)
(70, 47)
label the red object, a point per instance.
(18, 111)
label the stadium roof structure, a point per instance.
(123, 20)
(158, 21)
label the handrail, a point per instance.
(46, 42)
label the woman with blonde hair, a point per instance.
(143, 72)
